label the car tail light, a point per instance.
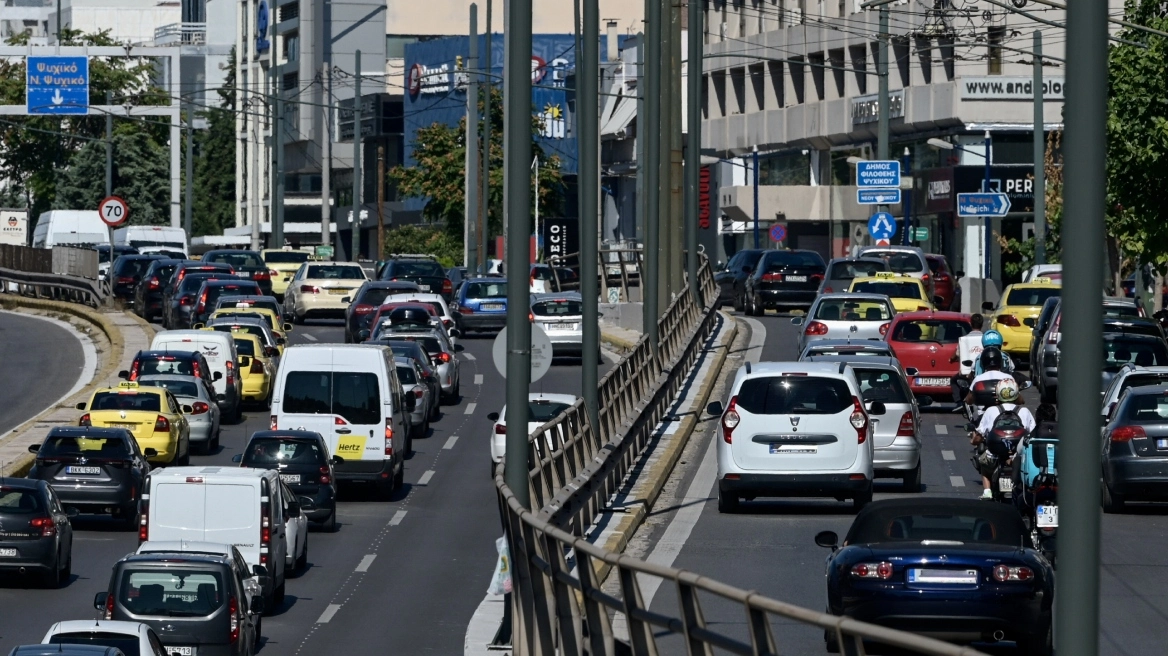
(925, 278)
(730, 420)
(265, 530)
(907, 427)
(419, 392)
(325, 479)
(134, 368)
(230, 372)
(500, 429)
(882, 570)
(444, 357)
(942, 277)
(153, 283)
(161, 425)
(462, 309)
(388, 436)
(257, 367)
(1003, 573)
(817, 277)
(859, 420)
(1128, 433)
(884, 329)
(272, 425)
(772, 277)
(144, 516)
(233, 612)
(309, 289)
(827, 290)
(261, 275)
(198, 408)
(447, 287)
(186, 299)
(125, 280)
(1009, 320)
(109, 607)
(45, 524)
(815, 328)
(84, 420)
(202, 303)
(530, 317)
(362, 309)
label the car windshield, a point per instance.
(1031, 295)
(899, 261)
(57, 446)
(848, 350)
(236, 260)
(945, 331)
(127, 644)
(171, 593)
(286, 257)
(242, 302)
(268, 451)
(542, 411)
(781, 260)
(355, 396)
(131, 267)
(844, 309)
(166, 364)
(242, 288)
(245, 347)
(334, 272)
(1142, 353)
(993, 525)
(19, 501)
(785, 395)
(188, 388)
(1120, 311)
(132, 401)
(881, 385)
(558, 308)
(418, 268)
(487, 289)
(1142, 380)
(406, 374)
(856, 269)
(888, 288)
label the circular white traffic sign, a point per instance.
(541, 353)
(113, 211)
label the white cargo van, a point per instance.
(69, 228)
(249, 508)
(151, 239)
(219, 349)
(350, 394)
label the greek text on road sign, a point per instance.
(878, 173)
(878, 196)
(57, 85)
(983, 204)
(113, 210)
(881, 225)
(778, 232)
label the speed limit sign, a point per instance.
(113, 211)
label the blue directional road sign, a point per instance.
(778, 232)
(882, 226)
(982, 204)
(878, 173)
(890, 196)
(57, 85)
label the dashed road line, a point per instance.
(425, 479)
(397, 518)
(312, 338)
(956, 481)
(942, 429)
(328, 613)
(478, 379)
(469, 356)
(470, 408)
(450, 442)
(363, 566)
(948, 455)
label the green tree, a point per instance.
(425, 239)
(214, 202)
(141, 176)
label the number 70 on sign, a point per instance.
(113, 211)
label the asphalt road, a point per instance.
(432, 546)
(768, 546)
(39, 362)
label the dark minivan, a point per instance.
(784, 279)
(95, 470)
(302, 458)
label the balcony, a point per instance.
(185, 34)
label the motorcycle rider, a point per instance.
(969, 349)
(991, 361)
(1007, 395)
(993, 338)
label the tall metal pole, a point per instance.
(189, 199)
(380, 250)
(882, 78)
(109, 150)
(1039, 156)
(535, 204)
(648, 129)
(672, 156)
(470, 249)
(358, 176)
(517, 169)
(988, 222)
(588, 165)
(326, 157)
(907, 236)
(277, 213)
(754, 185)
(484, 229)
(1084, 157)
(693, 154)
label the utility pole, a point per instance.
(109, 142)
(277, 213)
(693, 154)
(358, 178)
(326, 156)
(648, 129)
(1039, 156)
(484, 229)
(907, 237)
(517, 170)
(588, 160)
(1085, 154)
(754, 188)
(380, 201)
(882, 98)
(665, 225)
(189, 199)
(470, 215)
(988, 225)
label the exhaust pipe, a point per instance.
(999, 635)
(24, 570)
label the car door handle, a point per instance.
(346, 431)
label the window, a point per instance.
(291, 46)
(889, 289)
(406, 374)
(855, 269)
(994, 37)
(265, 452)
(126, 267)
(1142, 353)
(758, 86)
(805, 395)
(245, 347)
(129, 402)
(778, 261)
(881, 385)
(486, 290)
(931, 330)
(58, 446)
(241, 289)
(164, 365)
(172, 593)
(899, 261)
(738, 80)
(354, 396)
(897, 524)
(237, 260)
(557, 308)
(20, 502)
(286, 257)
(176, 387)
(1146, 409)
(308, 392)
(849, 310)
(1032, 296)
(422, 268)
(542, 411)
(1142, 380)
(334, 272)
(128, 644)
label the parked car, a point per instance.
(94, 470)
(248, 265)
(302, 458)
(843, 270)
(38, 536)
(784, 280)
(845, 316)
(731, 278)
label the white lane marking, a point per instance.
(397, 518)
(450, 442)
(425, 479)
(470, 408)
(363, 566)
(310, 338)
(956, 481)
(942, 429)
(469, 356)
(948, 455)
(478, 379)
(328, 613)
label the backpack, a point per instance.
(1005, 433)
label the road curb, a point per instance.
(652, 479)
(150, 329)
(621, 344)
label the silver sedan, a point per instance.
(413, 382)
(204, 415)
(845, 316)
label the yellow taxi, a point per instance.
(151, 414)
(251, 327)
(1017, 312)
(907, 293)
(256, 367)
(284, 263)
(279, 329)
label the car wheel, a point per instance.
(1112, 503)
(737, 302)
(862, 499)
(831, 642)
(297, 319)
(66, 572)
(52, 578)
(215, 440)
(185, 459)
(435, 412)
(727, 502)
(330, 524)
(912, 480)
(278, 595)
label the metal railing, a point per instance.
(558, 604)
(62, 273)
(620, 268)
(181, 33)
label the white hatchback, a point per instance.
(795, 429)
(541, 408)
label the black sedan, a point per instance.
(248, 265)
(302, 459)
(958, 569)
(784, 280)
(95, 470)
(126, 275)
(35, 533)
(148, 295)
(421, 269)
(731, 279)
(1135, 449)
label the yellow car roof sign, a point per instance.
(1043, 280)
(885, 274)
(128, 384)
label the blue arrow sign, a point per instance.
(882, 226)
(983, 204)
(878, 196)
(57, 85)
(878, 173)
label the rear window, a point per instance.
(129, 267)
(849, 350)
(214, 292)
(193, 282)
(1145, 409)
(430, 345)
(407, 375)
(850, 270)
(804, 395)
(541, 273)
(486, 290)
(334, 272)
(781, 259)
(900, 262)
(1143, 353)
(889, 289)
(127, 644)
(59, 446)
(373, 296)
(166, 365)
(993, 526)
(1120, 311)
(266, 318)
(164, 273)
(1031, 296)
(542, 411)
(175, 387)
(419, 268)
(354, 396)
(937, 264)
(286, 257)
(245, 347)
(1142, 380)
(264, 452)
(126, 401)
(881, 385)
(852, 310)
(561, 308)
(241, 303)
(19, 502)
(172, 593)
(236, 260)
(945, 331)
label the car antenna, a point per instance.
(748, 366)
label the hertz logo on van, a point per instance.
(352, 446)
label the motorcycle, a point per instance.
(1037, 480)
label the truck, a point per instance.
(77, 228)
(153, 239)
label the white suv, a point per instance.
(795, 429)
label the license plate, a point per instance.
(793, 448)
(795, 278)
(1162, 444)
(129, 427)
(338, 292)
(944, 576)
(932, 382)
(74, 469)
(491, 306)
(180, 651)
(1047, 516)
(7, 553)
(290, 478)
(424, 288)
(1006, 485)
(565, 326)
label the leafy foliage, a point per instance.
(141, 177)
(1054, 214)
(425, 239)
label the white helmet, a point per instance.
(1007, 390)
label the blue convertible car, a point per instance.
(961, 570)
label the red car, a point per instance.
(944, 282)
(924, 342)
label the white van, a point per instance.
(69, 228)
(151, 239)
(350, 394)
(219, 349)
(249, 508)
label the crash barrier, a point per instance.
(558, 604)
(62, 274)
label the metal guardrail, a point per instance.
(558, 604)
(53, 286)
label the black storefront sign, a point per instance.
(561, 237)
(938, 188)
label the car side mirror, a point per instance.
(455, 333)
(715, 409)
(306, 504)
(287, 327)
(81, 406)
(124, 375)
(494, 416)
(293, 509)
(959, 274)
(347, 299)
(911, 371)
(459, 348)
(187, 409)
(337, 460)
(198, 325)
(259, 570)
(150, 452)
(217, 375)
(924, 401)
(968, 363)
(796, 321)
(99, 600)
(237, 457)
(257, 604)
(827, 540)
(987, 306)
(876, 407)
(363, 335)
(33, 448)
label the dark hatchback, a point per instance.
(181, 283)
(959, 569)
(95, 470)
(176, 363)
(126, 274)
(731, 279)
(148, 295)
(1135, 449)
(248, 265)
(302, 458)
(427, 273)
(784, 279)
(35, 533)
(207, 298)
(364, 302)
